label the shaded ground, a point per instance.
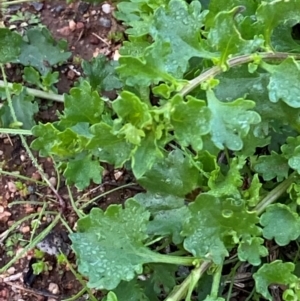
(89, 32)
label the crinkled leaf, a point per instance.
(101, 74)
(229, 184)
(225, 37)
(10, 45)
(83, 104)
(281, 12)
(131, 109)
(272, 166)
(42, 51)
(81, 170)
(251, 249)
(169, 223)
(230, 122)
(109, 246)
(145, 155)
(291, 151)
(284, 83)
(276, 272)
(173, 175)
(180, 24)
(111, 148)
(46, 138)
(281, 223)
(213, 221)
(190, 120)
(252, 194)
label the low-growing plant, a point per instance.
(207, 120)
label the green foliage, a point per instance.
(206, 118)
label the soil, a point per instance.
(87, 30)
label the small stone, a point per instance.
(22, 158)
(1, 209)
(106, 8)
(83, 7)
(53, 181)
(105, 22)
(11, 270)
(11, 187)
(57, 9)
(53, 288)
(25, 229)
(93, 12)
(1, 152)
(64, 31)
(72, 25)
(118, 174)
(71, 74)
(36, 176)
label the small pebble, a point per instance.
(105, 22)
(22, 158)
(1, 152)
(53, 181)
(72, 25)
(53, 288)
(25, 229)
(106, 8)
(1, 209)
(11, 187)
(83, 7)
(11, 270)
(57, 9)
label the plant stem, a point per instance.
(178, 260)
(275, 194)
(236, 61)
(37, 93)
(216, 282)
(180, 291)
(15, 131)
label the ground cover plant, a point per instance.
(207, 119)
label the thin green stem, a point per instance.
(35, 92)
(103, 194)
(15, 175)
(236, 61)
(180, 291)
(31, 245)
(66, 224)
(232, 273)
(177, 260)
(15, 131)
(77, 211)
(216, 282)
(35, 225)
(275, 194)
(24, 203)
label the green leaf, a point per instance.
(101, 74)
(46, 138)
(230, 122)
(174, 175)
(272, 166)
(291, 151)
(83, 105)
(252, 194)
(81, 170)
(145, 155)
(32, 76)
(109, 246)
(130, 291)
(213, 223)
(111, 148)
(284, 83)
(225, 37)
(131, 109)
(281, 12)
(179, 24)
(229, 184)
(24, 108)
(190, 120)
(281, 223)
(251, 249)
(42, 51)
(276, 272)
(10, 45)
